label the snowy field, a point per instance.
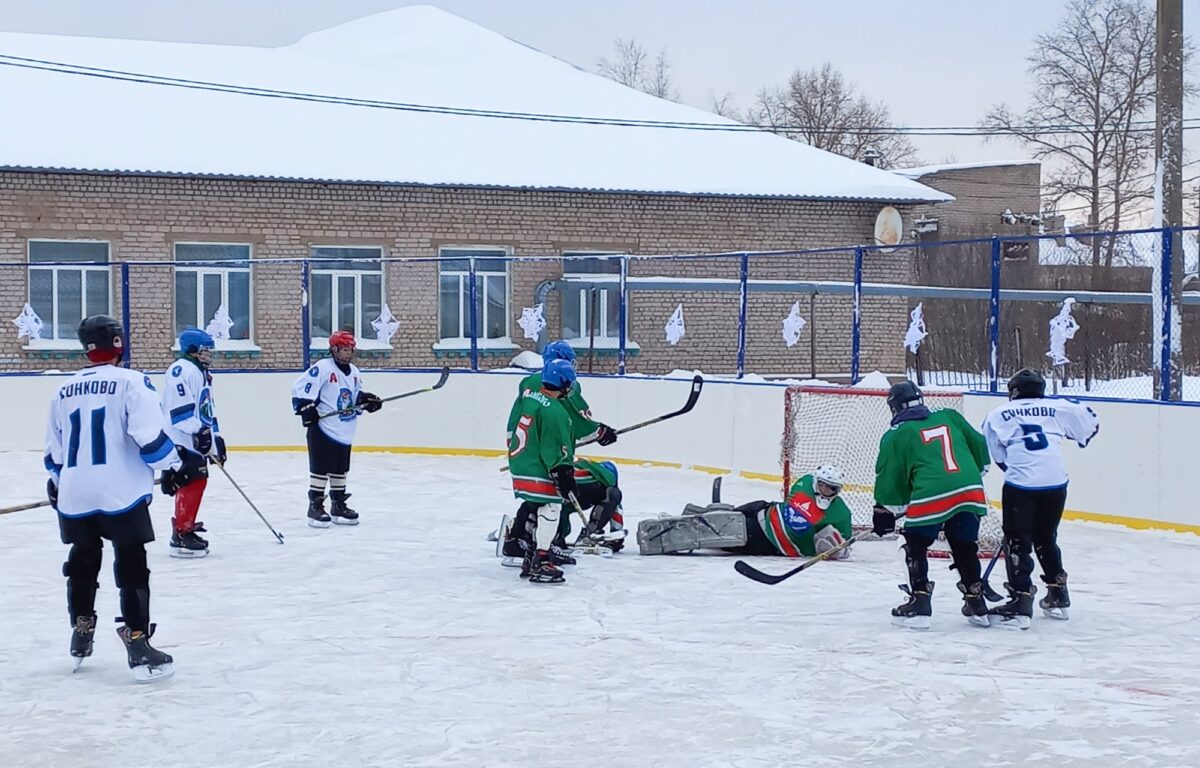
(403, 642)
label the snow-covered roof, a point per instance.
(416, 55)
(926, 170)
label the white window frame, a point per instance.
(604, 339)
(361, 341)
(224, 272)
(463, 340)
(83, 268)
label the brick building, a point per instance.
(210, 201)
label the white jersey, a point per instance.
(188, 402)
(104, 440)
(1024, 437)
(333, 390)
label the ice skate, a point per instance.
(188, 545)
(1057, 600)
(561, 556)
(542, 569)
(317, 516)
(975, 607)
(1017, 613)
(147, 662)
(83, 636)
(916, 613)
(339, 512)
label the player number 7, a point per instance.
(942, 434)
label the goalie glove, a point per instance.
(830, 538)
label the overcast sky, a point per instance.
(934, 62)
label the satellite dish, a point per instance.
(889, 228)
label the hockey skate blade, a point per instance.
(916, 623)
(493, 536)
(980, 621)
(1060, 614)
(144, 673)
(593, 550)
(318, 523)
(76, 663)
(343, 521)
(188, 554)
(1012, 622)
(510, 562)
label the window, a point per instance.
(577, 303)
(70, 286)
(491, 295)
(345, 292)
(209, 276)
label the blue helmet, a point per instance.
(558, 350)
(192, 340)
(558, 374)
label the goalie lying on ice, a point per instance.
(812, 520)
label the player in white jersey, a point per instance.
(333, 388)
(192, 426)
(104, 440)
(1024, 437)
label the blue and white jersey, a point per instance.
(333, 390)
(188, 402)
(1024, 438)
(104, 440)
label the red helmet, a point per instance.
(342, 339)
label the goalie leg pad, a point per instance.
(708, 530)
(696, 509)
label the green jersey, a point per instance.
(540, 441)
(791, 525)
(581, 415)
(931, 466)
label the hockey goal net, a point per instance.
(842, 426)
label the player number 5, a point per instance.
(1035, 438)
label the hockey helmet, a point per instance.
(342, 346)
(903, 395)
(102, 338)
(558, 375)
(831, 476)
(197, 343)
(558, 350)
(1025, 384)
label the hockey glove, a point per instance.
(222, 454)
(883, 522)
(202, 441)
(308, 413)
(368, 402)
(606, 435)
(52, 492)
(191, 468)
(564, 480)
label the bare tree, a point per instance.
(723, 105)
(1094, 72)
(819, 107)
(631, 66)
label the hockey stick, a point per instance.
(991, 595)
(42, 503)
(750, 572)
(693, 396)
(441, 382)
(233, 482)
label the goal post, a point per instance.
(843, 426)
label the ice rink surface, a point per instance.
(403, 642)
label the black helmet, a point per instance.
(904, 395)
(1026, 383)
(101, 333)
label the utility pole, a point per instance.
(1169, 155)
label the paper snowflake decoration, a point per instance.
(532, 321)
(916, 329)
(385, 325)
(1062, 330)
(220, 324)
(793, 325)
(29, 325)
(674, 329)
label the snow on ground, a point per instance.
(404, 642)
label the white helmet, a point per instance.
(831, 476)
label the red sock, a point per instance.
(187, 504)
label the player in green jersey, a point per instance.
(930, 468)
(541, 456)
(583, 426)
